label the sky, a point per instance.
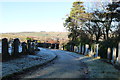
(34, 16)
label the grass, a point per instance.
(100, 69)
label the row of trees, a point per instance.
(96, 26)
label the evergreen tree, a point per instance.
(75, 20)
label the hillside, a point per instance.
(43, 36)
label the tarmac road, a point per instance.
(64, 66)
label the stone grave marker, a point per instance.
(5, 53)
(86, 49)
(96, 55)
(24, 48)
(108, 54)
(114, 55)
(119, 53)
(16, 44)
(28, 46)
(82, 49)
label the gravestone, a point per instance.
(91, 52)
(63, 47)
(114, 56)
(78, 49)
(82, 49)
(86, 49)
(96, 55)
(16, 44)
(28, 46)
(24, 48)
(75, 48)
(119, 53)
(53, 46)
(32, 48)
(108, 54)
(5, 53)
(70, 47)
(36, 46)
(57, 46)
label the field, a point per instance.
(42, 36)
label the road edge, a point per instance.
(26, 69)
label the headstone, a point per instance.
(57, 46)
(28, 46)
(114, 55)
(70, 47)
(24, 48)
(63, 47)
(86, 49)
(5, 53)
(91, 52)
(119, 53)
(53, 46)
(32, 48)
(82, 49)
(96, 55)
(16, 44)
(75, 48)
(36, 46)
(108, 53)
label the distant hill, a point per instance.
(62, 36)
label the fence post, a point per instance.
(108, 54)
(5, 53)
(114, 56)
(16, 43)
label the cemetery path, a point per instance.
(72, 65)
(65, 66)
